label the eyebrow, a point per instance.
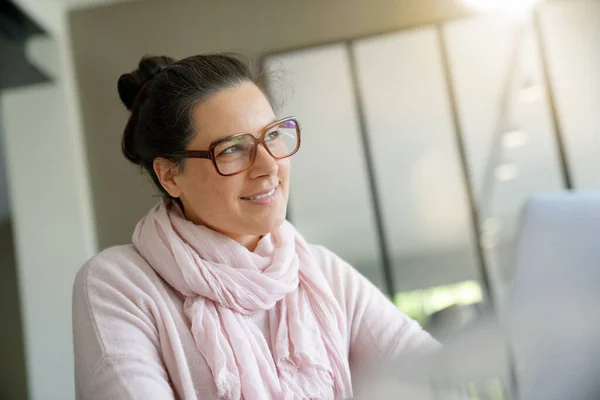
(245, 132)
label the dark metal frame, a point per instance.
(386, 257)
(551, 97)
(474, 211)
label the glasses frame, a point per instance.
(210, 153)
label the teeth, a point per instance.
(262, 196)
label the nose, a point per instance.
(264, 164)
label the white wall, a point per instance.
(51, 215)
(50, 236)
(51, 212)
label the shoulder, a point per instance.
(114, 262)
(116, 303)
(117, 269)
(321, 253)
(340, 274)
(326, 259)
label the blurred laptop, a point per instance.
(554, 322)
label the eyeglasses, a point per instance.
(236, 153)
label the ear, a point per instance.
(167, 173)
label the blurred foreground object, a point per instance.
(554, 322)
(452, 319)
(549, 332)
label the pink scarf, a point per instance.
(223, 281)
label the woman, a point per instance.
(219, 296)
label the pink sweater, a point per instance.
(124, 314)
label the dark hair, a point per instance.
(161, 94)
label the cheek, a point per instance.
(212, 199)
(200, 185)
(284, 169)
(217, 192)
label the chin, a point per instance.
(261, 219)
(271, 225)
(266, 224)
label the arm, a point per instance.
(115, 341)
(377, 329)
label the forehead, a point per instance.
(243, 108)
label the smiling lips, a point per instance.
(261, 197)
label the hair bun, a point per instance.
(130, 84)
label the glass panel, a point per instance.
(417, 164)
(508, 132)
(571, 31)
(330, 198)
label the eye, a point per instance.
(231, 150)
(272, 135)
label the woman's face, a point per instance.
(228, 204)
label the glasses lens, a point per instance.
(234, 154)
(282, 139)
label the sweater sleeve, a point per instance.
(115, 338)
(377, 329)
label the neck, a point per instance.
(248, 241)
